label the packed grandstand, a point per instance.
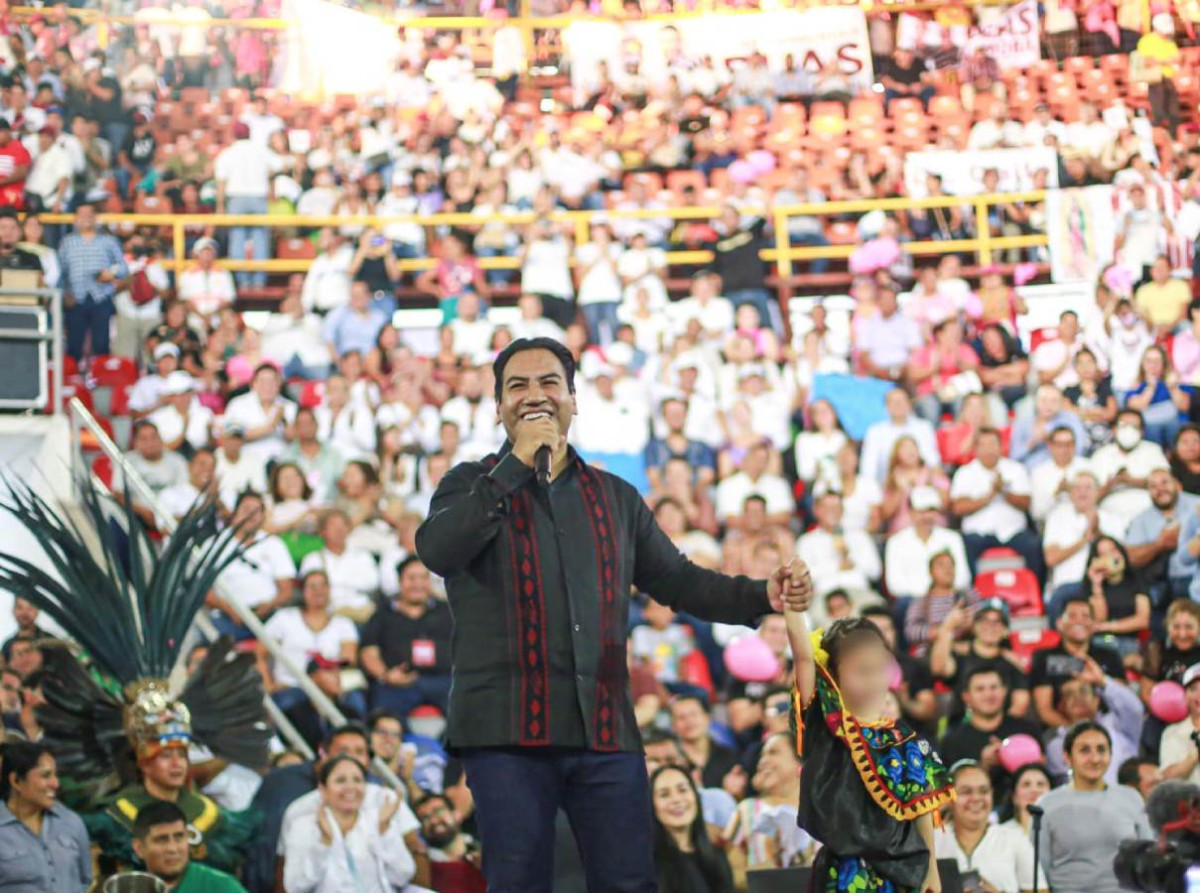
(901, 290)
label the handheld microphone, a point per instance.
(541, 465)
(1035, 811)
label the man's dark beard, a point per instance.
(443, 840)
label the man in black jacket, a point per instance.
(538, 579)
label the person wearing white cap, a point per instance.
(1156, 60)
(204, 286)
(149, 391)
(1179, 749)
(183, 422)
(907, 554)
(612, 420)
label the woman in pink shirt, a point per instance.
(1185, 349)
(907, 470)
(934, 367)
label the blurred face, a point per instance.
(290, 483)
(167, 769)
(439, 826)
(689, 719)
(345, 787)
(907, 454)
(777, 766)
(414, 584)
(1113, 559)
(1048, 402)
(663, 753)
(306, 426)
(773, 631)
(985, 695)
(829, 510)
(201, 470)
(862, 675)
(335, 530)
(386, 738)
(85, 217)
(1163, 489)
(10, 692)
(316, 592)
(266, 384)
(1152, 365)
(897, 405)
(1183, 630)
(1085, 366)
(164, 850)
(1084, 493)
(1062, 447)
(249, 514)
(1193, 698)
(24, 613)
(1078, 700)
(988, 450)
(1089, 757)
(989, 628)
(350, 745)
(776, 713)
(1076, 623)
(1030, 788)
(675, 805)
(1187, 447)
(974, 803)
(941, 570)
(24, 657)
(39, 788)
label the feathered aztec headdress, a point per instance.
(129, 606)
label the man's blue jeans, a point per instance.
(518, 792)
(258, 237)
(430, 688)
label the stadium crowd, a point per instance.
(1019, 515)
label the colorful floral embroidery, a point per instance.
(851, 875)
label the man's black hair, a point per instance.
(350, 728)
(403, 563)
(522, 344)
(375, 716)
(1129, 773)
(156, 812)
(983, 670)
(10, 213)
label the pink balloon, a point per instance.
(1168, 701)
(876, 254)
(1019, 750)
(762, 161)
(750, 659)
(895, 676)
(742, 172)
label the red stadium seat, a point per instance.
(1040, 336)
(999, 558)
(1016, 586)
(112, 371)
(1025, 642)
(103, 470)
(312, 394)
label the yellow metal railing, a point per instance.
(783, 254)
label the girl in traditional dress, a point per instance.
(871, 787)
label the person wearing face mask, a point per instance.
(1124, 466)
(1001, 855)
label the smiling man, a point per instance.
(160, 840)
(539, 579)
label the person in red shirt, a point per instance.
(14, 168)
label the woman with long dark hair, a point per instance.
(685, 859)
(1117, 596)
(44, 845)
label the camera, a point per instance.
(1163, 865)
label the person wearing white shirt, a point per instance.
(345, 424)
(472, 331)
(1070, 529)
(182, 420)
(474, 412)
(1042, 126)
(610, 422)
(1123, 467)
(838, 558)
(262, 414)
(419, 422)
(1179, 754)
(596, 265)
(906, 556)
(644, 267)
(531, 323)
(148, 392)
(817, 448)
(327, 285)
(178, 499)
(262, 577)
(546, 272)
(996, 131)
(291, 338)
(1088, 134)
(243, 172)
(342, 843)
(260, 121)
(991, 496)
(205, 287)
(1000, 854)
(1054, 358)
(353, 574)
(1050, 481)
(236, 471)
(51, 176)
(882, 436)
(753, 480)
(714, 312)
(770, 409)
